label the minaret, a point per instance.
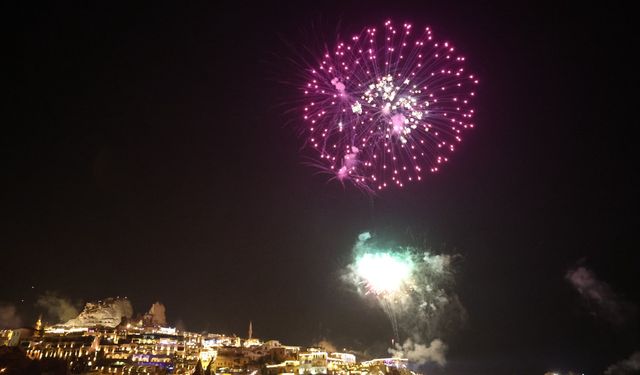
(38, 329)
(39, 323)
(250, 330)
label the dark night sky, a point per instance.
(146, 155)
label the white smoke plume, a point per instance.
(599, 296)
(326, 345)
(630, 365)
(9, 317)
(419, 353)
(157, 312)
(180, 325)
(59, 308)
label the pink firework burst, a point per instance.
(387, 106)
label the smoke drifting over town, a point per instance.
(56, 307)
(599, 296)
(628, 366)
(124, 306)
(9, 317)
(421, 353)
(326, 345)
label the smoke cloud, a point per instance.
(56, 307)
(326, 345)
(599, 296)
(9, 317)
(157, 312)
(180, 325)
(420, 353)
(627, 366)
(422, 305)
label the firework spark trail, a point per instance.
(386, 106)
(384, 275)
(393, 319)
(414, 288)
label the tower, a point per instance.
(39, 323)
(38, 328)
(250, 329)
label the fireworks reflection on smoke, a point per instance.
(414, 288)
(387, 105)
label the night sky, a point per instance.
(148, 154)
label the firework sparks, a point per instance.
(412, 286)
(384, 273)
(397, 96)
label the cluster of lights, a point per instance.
(385, 107)
(147, 350)
(143, 349)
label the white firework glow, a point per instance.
(384, 273)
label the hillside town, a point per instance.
(105, 339)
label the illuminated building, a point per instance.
(91, 343)
(342, 357)
(71, 348)
(133, 348)
(9, 337)
(248, 343)
(218, 340)
(313, 362)
(340, 362)
(399, 363)
(231, 359)
(317, 362)
(287, 367)
(123, 351)
(207, 355)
